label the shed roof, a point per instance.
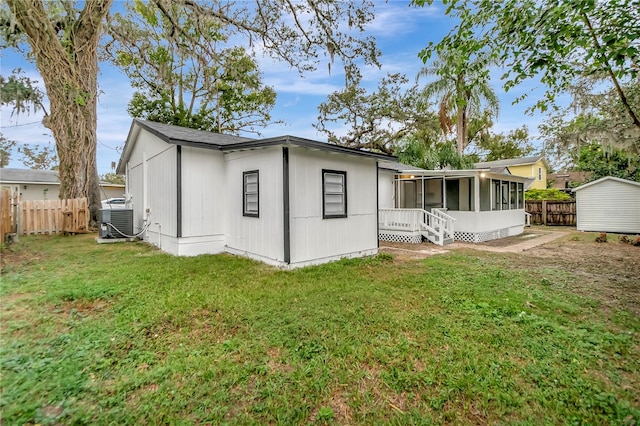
(509, 162)
(202, 139)
(606, 178)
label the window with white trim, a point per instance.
(334, 194)
(250, 193)
(539, 173)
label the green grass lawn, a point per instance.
(124, 334)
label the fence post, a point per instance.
(544, 212)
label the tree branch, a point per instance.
(616, 84)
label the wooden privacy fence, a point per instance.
(8, 223)
(548, 212)
(54, 216)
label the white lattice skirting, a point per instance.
(480, 237)
(400, 237)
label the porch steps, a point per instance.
(434, 238)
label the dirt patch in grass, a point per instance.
(403, 252)
(52, 411)
(139, 394)
(276, 364)
(82, 307)
(607, 272)
(341, 412)
(11, 259)
(528, 235)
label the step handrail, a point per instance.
(449, 220)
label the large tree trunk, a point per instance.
(69, 69)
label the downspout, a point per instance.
(145, 190)
(286, 206)
(179, 191)
(377, 206)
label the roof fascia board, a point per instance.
(305, 143)
(128, 146)
(258, 143)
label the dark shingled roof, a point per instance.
(181, 135)
(202, 139)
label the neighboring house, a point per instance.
(609, 204)
(533, 168)
(44, 184)
(566, 181)
(447, 205)
(286, 201)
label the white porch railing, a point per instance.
(448, 222)
(436, 227)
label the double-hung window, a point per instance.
(334, 194)
(250, 194)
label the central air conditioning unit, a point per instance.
(116, 223)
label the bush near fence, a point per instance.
(552, 212)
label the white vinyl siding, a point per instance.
(250, 193)
(314, 238)
(334, 194)
(257, 237)
(203, 191)
(608, 205)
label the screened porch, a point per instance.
(480, 205)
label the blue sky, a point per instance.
(401, 32)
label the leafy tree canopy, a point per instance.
(500, 146)
(62, 38)
(378, 120)
(432, 155)
(609, 162)
(39, 157)
(21, 93)
(600, 119)
(113, 178)
(463, 93)
(184, 72)
(557, 42)
(6, 149)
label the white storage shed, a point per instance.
(609, 204)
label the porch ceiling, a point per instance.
(415, 174)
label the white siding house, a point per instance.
(609, 204)
(286, 201)
(31, 184)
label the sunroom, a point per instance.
(446, 205)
